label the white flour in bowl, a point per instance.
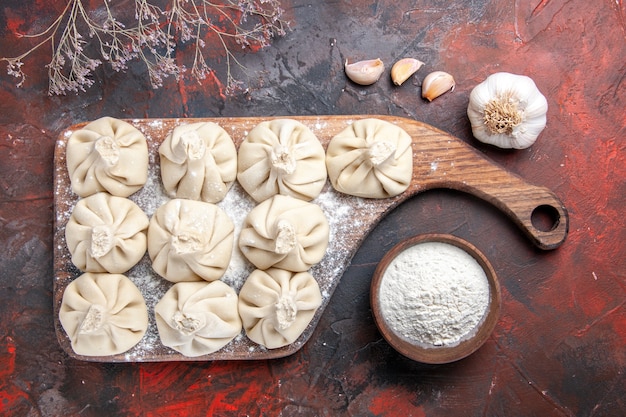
(434, 294)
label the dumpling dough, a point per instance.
(106, 233)
(190, 241)
(281, 156)
(198, 318)
(198, 162)
(107, 155)
(103, 314)
(284, 232)
(277, 305)
(371, 158)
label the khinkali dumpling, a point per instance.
(198, 162)
(277, 305)
(281, 156)
(198, 318)
(107, 155)
(371, 158)
(103, 314)
(284, 232)
(106, 233)
(190, 241)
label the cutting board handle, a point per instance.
(444, 161)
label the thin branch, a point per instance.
(152, 39)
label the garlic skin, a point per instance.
(365, 72)
(436, 84)
(507, 110)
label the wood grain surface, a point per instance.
(439, 161)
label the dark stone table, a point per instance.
(559, 348)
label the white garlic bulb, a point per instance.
(507, 110)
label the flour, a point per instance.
(434, 294)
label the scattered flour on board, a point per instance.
(338, 208)
(237, 204)
(340, 212)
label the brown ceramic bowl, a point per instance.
(437, 354)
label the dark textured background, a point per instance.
(559, 348)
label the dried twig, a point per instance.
(151, 37)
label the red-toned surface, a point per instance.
(560, 345)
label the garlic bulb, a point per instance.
(507, 110)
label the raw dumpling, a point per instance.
(103, 314)
(371, 158)
(198, 162)
(190, 241)
(198, 318)
(107, 155)
(277, 305)
(106, 233)
(281, 156)
(284, 232)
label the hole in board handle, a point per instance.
(545, 218)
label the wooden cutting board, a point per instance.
(440, 161)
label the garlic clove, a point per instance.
(403, 69)
(365, 72)
(437, 83)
